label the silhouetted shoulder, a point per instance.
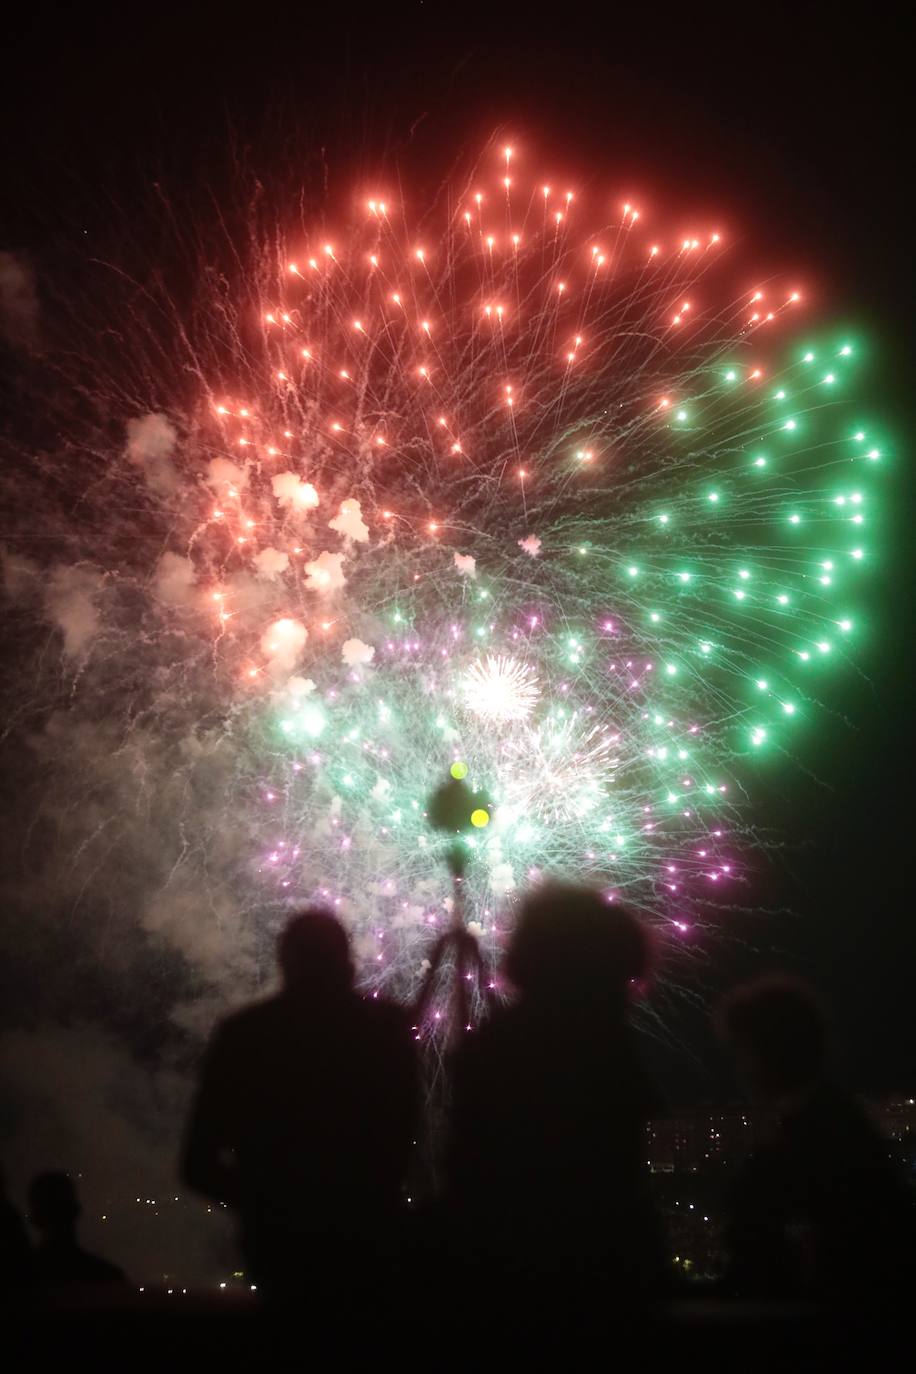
(263, 1017)
(251, 1019)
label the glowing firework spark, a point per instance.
(531, 460)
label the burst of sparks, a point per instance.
(539, 490)
(501, 689)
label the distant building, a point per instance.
(691, 1154)
(896, 1117)
(699, 1140)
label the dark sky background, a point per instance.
(791, 130)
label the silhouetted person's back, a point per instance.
(819, 1212)
(547, 1162)
(54, 1210)
(304, 1114)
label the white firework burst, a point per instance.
(561, 769)
(501, 689)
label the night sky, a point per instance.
(792, 133)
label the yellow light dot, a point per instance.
(459, 770)
(480, 818)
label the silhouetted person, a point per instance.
(15, 1250)
(304, 1116)
(820, 1211)
(548, 1178)
(54, 1211)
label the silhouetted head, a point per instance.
(571, 945)
(778, 1033)
(314, 954)
(53, 1203)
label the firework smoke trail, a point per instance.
(511, 483)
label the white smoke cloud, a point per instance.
(325, 573)
(225, 476)
(355, 653)
(282, 644)
(151, 442)
(531, 544)
(174, 580)
(172, 915)
(132, 787)
(73, 1096)
(299, 687)
(349, 522)
(18, 302)
(466, 565)
(381, 789)
(270, 563)
(70, 600)
(293, 493)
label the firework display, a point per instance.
(507, 485)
